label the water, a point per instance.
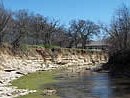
(88, 84)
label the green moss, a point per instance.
(35, 81)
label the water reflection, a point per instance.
(92, 85)
(100, 86)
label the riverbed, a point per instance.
(83, 84)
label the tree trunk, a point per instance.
(16, 42)
(83, 43)
(125, 41)
(1, 39)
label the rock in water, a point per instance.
(49, 92)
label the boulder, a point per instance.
(49, 92)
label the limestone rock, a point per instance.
(49, 92)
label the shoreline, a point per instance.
(6, 76)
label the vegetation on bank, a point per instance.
(36, 81)
(119, 62)
(119, 41)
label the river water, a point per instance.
(88, 84)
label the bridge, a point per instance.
(96, 46)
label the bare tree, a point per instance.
(49, 29)
(37, 26)
(74, 31)
(82, 31)
(21, 27)
(119, 29)
(123, 20)
(4, 19)
(60, 38)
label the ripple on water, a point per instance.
(92, 85)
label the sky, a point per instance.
(66, 10)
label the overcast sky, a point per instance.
(65, 10)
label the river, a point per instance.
(88, 84)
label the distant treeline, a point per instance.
(23, 27)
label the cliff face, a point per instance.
(50, 58)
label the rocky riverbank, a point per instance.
(14, 66)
